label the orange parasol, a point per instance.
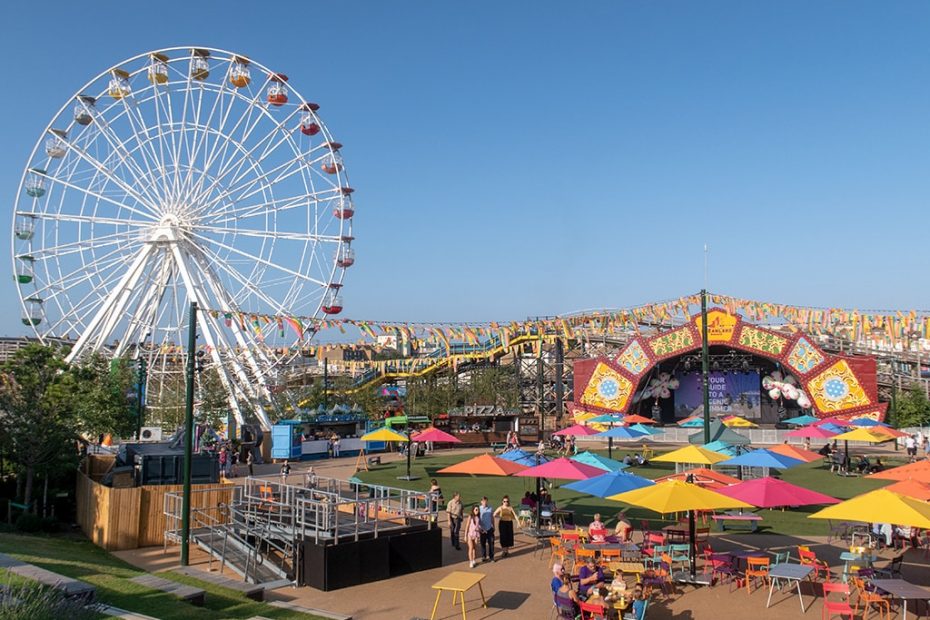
(707, 478)
(911, 488)
(484, 465)
(919, 471)
(796, 453)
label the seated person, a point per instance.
(528, 500)
(624, 529)
(566, 598)
(863, 464)
(597, 525)
(641, 460)
(589, 576)
(558, 577)
(824, 450)
(877, 466)
(638, 606)
(628, 460)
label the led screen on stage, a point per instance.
(731, 393)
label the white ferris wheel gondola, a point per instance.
(184, 175)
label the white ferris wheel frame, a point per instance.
(181, 221)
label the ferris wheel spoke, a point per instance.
(109, 175)
(279, 170)
(63, 249)
(65, 283)
(216, 262)
(218, 97)
(247, 157)
(119, 148)
(257, 259)
(274, 207)
(99, 196)
(212, 280)
(86, 219)
(142, 133)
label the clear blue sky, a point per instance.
(527, 158)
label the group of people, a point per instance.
(841, 463)
(480, 529)
(593, 587)
(913, 442)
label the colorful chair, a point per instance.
(756, 568)
(832, 608)
(593, 611)
(868, 599)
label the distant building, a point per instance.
(9, 345)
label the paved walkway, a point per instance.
(518, 586)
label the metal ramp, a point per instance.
(240, 557)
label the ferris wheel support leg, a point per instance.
(111, 308)
(136, 330)
(262, 385)
(208, 331)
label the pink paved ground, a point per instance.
(518, 586)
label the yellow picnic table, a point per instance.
(458, 583)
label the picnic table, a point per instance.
(733, 518)
(458, 583)
(901, 589)
(788, 573)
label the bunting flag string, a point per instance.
(881, 327)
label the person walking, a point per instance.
(335, 446)
(455, 512)
(486, 515)
(506, 516)
(473, 535)
(285, 471)
(250, 460)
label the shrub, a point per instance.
(29, 523)
(37, 602)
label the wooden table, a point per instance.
(722, 520)
(904, 590)
(788, 573)
(458, 583)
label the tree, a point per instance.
(214, 402)
(37, 413)
(912, 408)
(105, 397)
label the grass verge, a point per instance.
(81, 559)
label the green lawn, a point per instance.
(81, 559)
(812, 476)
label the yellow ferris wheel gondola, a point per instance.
(200, 65)
(158, 70)
(119, 84)
(239, 72)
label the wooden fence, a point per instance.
(117, 519)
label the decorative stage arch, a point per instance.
(839, 386)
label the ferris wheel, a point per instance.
(179, 175)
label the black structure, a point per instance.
(330, 567)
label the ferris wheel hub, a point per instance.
(169, 229)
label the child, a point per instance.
(285, 472)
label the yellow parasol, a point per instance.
(677, 496)
(863, 434)
(738, 422)
(692, 454)
(880, 506)
(384, 434)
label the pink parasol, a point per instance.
(435, 435)
(563, 468)
(834, 420)
(577, 430)
(771, 493)
(812, 432)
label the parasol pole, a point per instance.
(610, 447)
(705, 366)
(692, 552)
(538, 497)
